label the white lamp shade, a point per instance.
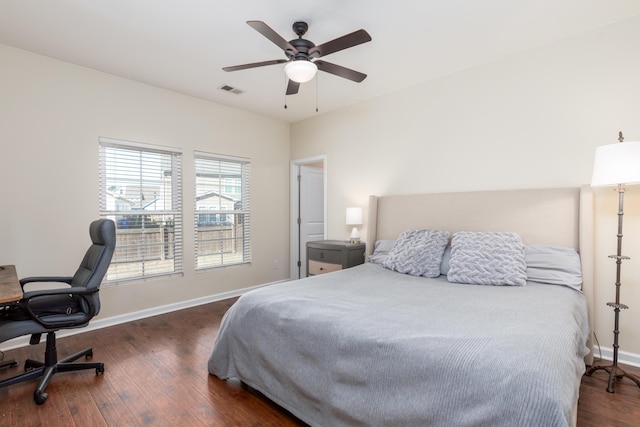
(354, 216)
(301, 70)
(617, 164)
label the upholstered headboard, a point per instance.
(557, 216)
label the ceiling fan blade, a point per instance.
(344, 42)
(340, 71)
(292, 87)
(269, 33)
(254, 65)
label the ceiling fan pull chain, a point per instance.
(286, 82)
(317, 78)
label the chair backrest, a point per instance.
(96, 261)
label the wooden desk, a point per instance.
(10, 289)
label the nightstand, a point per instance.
(325, 256)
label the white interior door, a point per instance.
(308, 211)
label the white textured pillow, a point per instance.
(418, 252)
(488, 258)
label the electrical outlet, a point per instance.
(275, 264)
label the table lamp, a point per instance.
(354, 217)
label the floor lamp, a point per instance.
(619, 165)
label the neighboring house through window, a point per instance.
(141, 190)
(222, 218)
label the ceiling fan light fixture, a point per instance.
(301, 70)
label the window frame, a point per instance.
(164, 237)
(234, 220)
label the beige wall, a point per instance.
(51, 115)
(530, 120)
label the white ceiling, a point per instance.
(182, 45)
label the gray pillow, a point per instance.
(446, 257)
(555, 265)
(380, 251)
(418, 252)
(487, 258)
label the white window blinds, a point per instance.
(141, 190)
(222, 216)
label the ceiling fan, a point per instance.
(300, 68)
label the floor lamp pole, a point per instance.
(615, 372)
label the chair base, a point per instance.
(51, 366)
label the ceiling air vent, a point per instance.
(231, 89)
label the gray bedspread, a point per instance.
(368, 346)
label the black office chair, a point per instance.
(72, 306)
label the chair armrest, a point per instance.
(79, 290)
(82, 292)
(46, 279)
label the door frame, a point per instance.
(293, 208)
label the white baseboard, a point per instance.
(624, 357)
(128, 317)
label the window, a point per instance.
(221, 211)
(141, 190)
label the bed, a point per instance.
(370, 345)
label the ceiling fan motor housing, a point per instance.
(302, 45)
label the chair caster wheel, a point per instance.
(100, 370)
(40, 397)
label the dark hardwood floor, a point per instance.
(156, 374)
